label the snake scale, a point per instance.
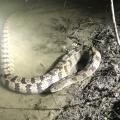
(60, 76)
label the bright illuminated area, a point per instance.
(59, 60)
(37, 37)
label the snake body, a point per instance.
(90, 68)
(38, 84)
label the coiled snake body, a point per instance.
(58, 75)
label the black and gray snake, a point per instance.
(60, 76)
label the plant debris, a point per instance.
(100, 99)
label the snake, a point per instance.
(61, 75)
(92, 65)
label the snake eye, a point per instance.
(47, 76)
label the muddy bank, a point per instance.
(100, 99)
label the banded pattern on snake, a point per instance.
(59, 76)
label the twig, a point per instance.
(34, 109)
(65, 2)
(114, 22)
